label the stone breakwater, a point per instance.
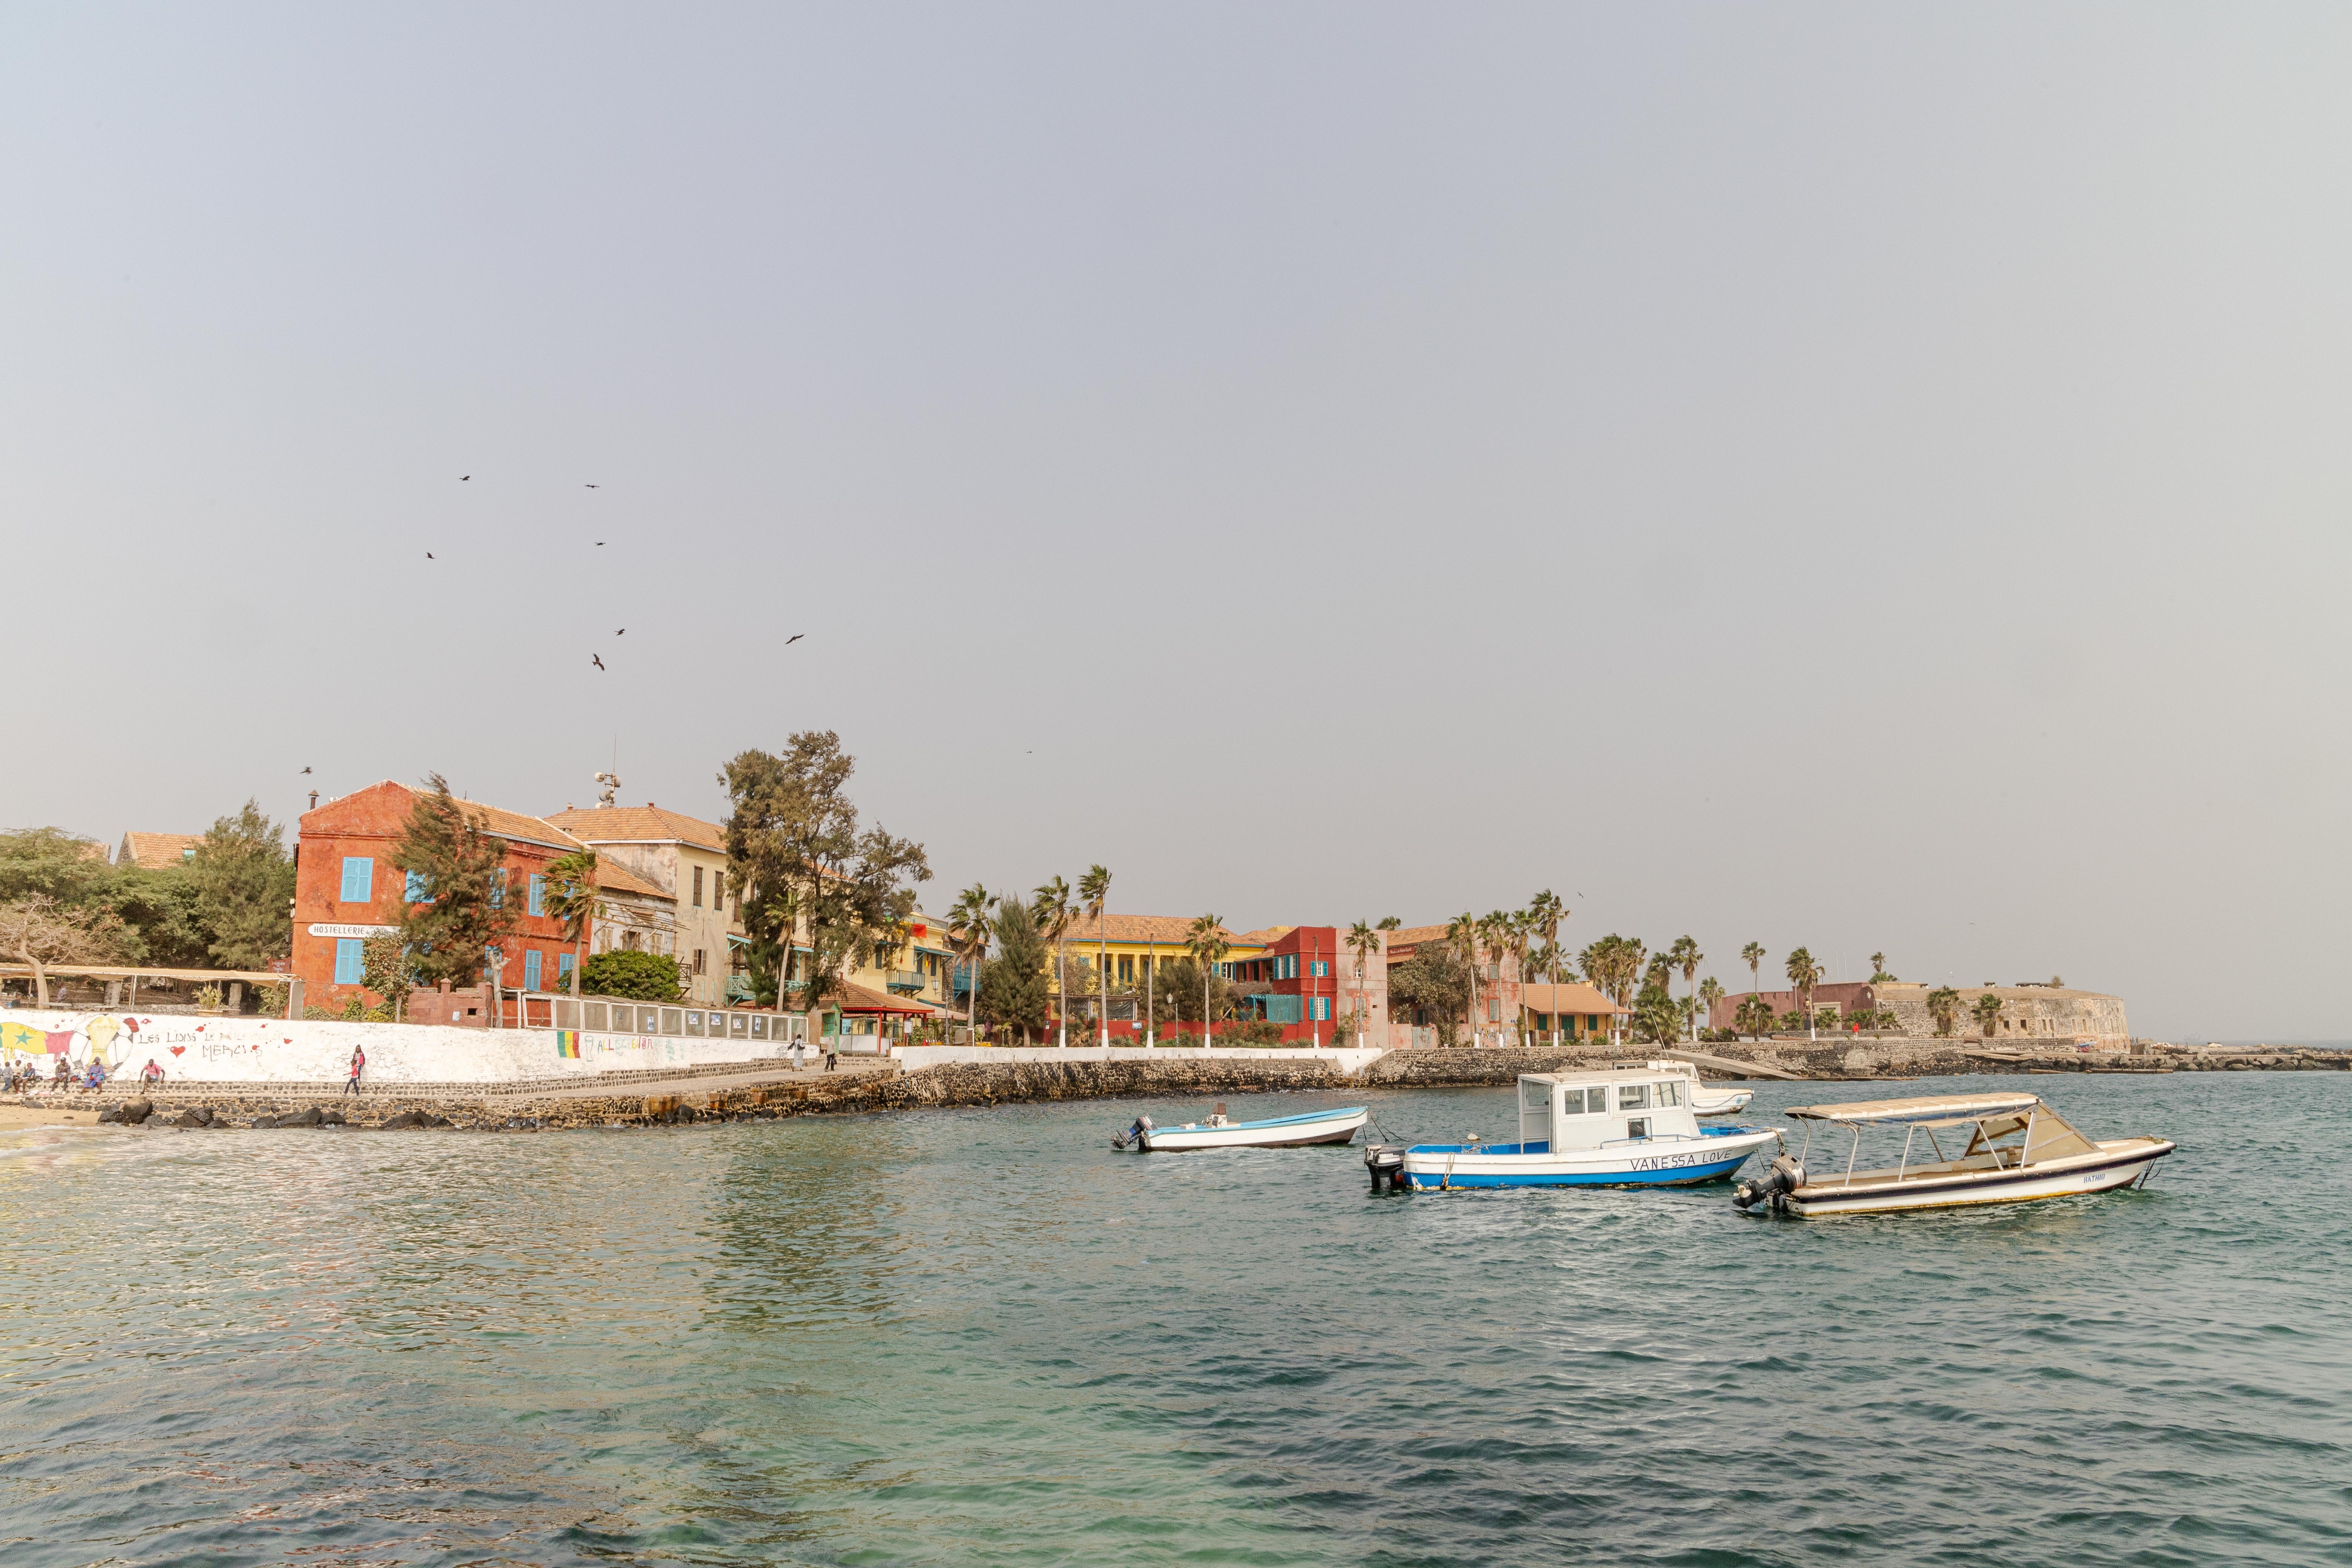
(196, 1107)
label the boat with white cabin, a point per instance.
(1217, 1131)
(1595, 1128)
(2017, 1149)
(1707, 1098)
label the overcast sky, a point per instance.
(1862, 475)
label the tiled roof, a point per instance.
(1412, 936)
(618, 880)
(1266, 936)
(1564, 998)
(639, 824)
(1167, 931)
(153, 851)
(852, 997)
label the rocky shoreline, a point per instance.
(197, 1107)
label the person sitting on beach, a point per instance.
(63, 1075)
(151, 1073)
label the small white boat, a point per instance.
(1338, 1126)
(1707, 1098)
(1607, 1129)
(2018, 1149)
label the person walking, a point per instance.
(832, 1052)
(359, 1060)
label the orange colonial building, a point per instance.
(346, 890)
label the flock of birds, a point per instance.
(597, 658)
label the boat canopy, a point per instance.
(1938, 1107)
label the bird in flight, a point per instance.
(594, 487)
(600, 545)
(428, 555)
(463, 477)
(305, 770)
(793, 639)
(598, 661)
(622, 633)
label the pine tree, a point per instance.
(463, 868)
(1014, 988)
(245, 883)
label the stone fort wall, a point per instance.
(2027, 1014)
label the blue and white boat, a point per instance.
(1334, 1126)
(1615, 1129)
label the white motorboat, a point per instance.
(1602, 1129)
(1707, 1098)
(2018, 1149)
(1337, 1126)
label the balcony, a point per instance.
(908, 982)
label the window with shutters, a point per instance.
(697, 961)
(499, 890)
(531, 963)
(563, 969)
(698, 887)
(415, 889)
(538, 894)
(1494, 1009)
(719, 892)
(350, 958)
(359, 880)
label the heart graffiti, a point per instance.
(177, 1049)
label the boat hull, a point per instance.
(1723, 1103)
(2118, 1163)
(1290, 1132)
(1648, 1162)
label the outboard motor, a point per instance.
(1134, 1134)
(1386, 1163)
(1780, 1178)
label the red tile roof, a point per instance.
(615, 878)
(1578, 997)
(638, 825)
(153, 851)
(1167, 931)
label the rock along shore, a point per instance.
(197, 1107)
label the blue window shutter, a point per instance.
(563, 967)
(538, 894)
(530, 961)
(359, 880)
(498, 891)
(351, 952)
(414, 888)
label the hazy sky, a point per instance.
(1862, 475)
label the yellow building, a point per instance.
(1129, 946)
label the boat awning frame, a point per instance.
(1941, 1109)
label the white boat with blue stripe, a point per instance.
(1334, 1126)
(1612, 1129)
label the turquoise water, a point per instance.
(983, 1337)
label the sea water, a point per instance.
(984, 1337)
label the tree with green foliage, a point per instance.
(1804, 975)
(1988, 1011)
(1052, 906)
(1944, 1009)
(639, 977)
(1655, 1017)
(1205, 940)
(244, 889)
(1710, 992)
(817, 892)
(389, 970)
(37, 932)
(571, 899)
(1190, 993)
(1753, 956)
(1878, 975)
(1014, 988)
(1614, 964)
(1434, 984)
(465, 913)
(1683, 954)
(969, 933)
(162, 924)
(1094, 892)
(50, 863)
(1753, 1016)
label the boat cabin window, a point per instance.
(1670, 1094)
(1639, 1127)
(1573, 1101)
(1534, 1096)
(1632, 1096)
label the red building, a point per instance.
(1307, 978)
(347, 890)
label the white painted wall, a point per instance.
(266, 1051)
(914, 1058)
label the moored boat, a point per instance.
(1335, 1126)
(2018, 1150)
(1707, 1098)
(1612, 1129)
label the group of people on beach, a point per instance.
(25, 1079)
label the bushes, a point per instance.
(639, 977)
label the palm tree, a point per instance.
(1943, 1002)
(572, 898)
(1093, 889)
(1754, 955)
(1545, 912)
(1520, 927)
(1878, 968)
(1988, 1011)
(968, 929)
(1205, 940)
(1804, 975)
(1710, 992)
(1685, 955)
(1363, 941)
(1055, 912)
(1462, 934)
